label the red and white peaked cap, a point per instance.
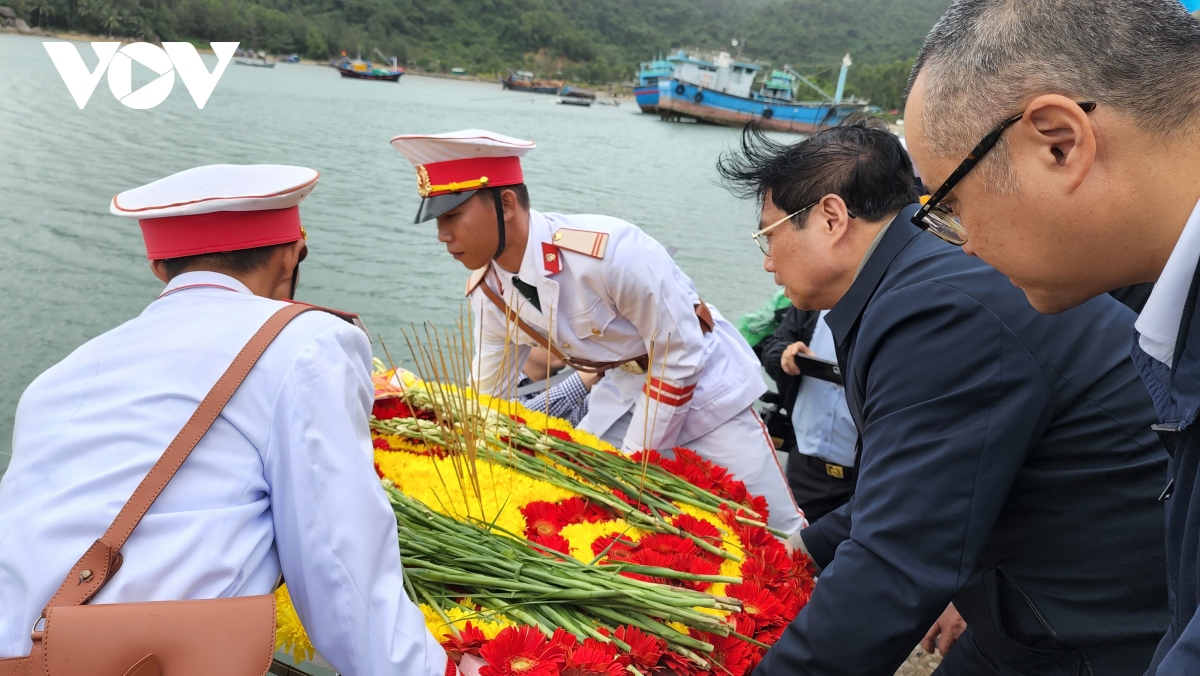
(452, 166)
(218, 208)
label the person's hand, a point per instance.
(590, 379)
(944, 632)
(470, 665)
(788, 360)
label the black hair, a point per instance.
(244, 261)
(521, 191)
(859, 160)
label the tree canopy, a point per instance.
(590, 40)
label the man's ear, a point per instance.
(159, 268)
(1060, 136)
(832, 216)
(292, 254)
(511, 204)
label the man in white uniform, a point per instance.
(606, 297)
(282, 483)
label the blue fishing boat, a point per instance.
(720, 92)
(646, 91)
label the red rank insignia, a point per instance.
(551, 258)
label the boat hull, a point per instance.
(355, 75)
(532, 89)
(679, 99)
(647, 98)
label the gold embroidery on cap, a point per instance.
(424, 187)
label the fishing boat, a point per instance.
(719, 92)
(575, 96)
(650, 72)
(358, 69)
(255, 59)
(523, 81)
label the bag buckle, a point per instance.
(35, 634)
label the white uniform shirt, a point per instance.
(1158, 324)
(820, 416)
(611, 309)
(282, 482)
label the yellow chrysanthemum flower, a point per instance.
(290, 636)
(582, 535)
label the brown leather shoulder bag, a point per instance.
(209, 637)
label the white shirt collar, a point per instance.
(205, 278)
(1158, 325)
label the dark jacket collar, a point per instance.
(842, 318)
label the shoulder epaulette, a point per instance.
(475, 280)
(583, 242)
(348, 317)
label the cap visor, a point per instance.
(432, 207)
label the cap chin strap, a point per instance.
(499, 221)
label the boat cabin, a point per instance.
(722, 74)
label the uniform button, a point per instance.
(566, 346)
(595, 332)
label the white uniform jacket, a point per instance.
(282, 482)
(609, 305)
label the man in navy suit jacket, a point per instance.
(1006, 458)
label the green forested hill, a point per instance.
(593, 40)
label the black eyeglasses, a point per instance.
(941, 221)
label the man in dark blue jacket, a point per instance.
(1064, 138)
(1006, 459)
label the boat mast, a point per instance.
(841, 85)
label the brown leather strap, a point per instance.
(103, 558)
(577, 364)
(703, 315)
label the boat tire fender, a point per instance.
(680, 89)
(768, 113)
(698, 97)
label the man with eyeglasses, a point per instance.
(1081, 175)
(1005, 461)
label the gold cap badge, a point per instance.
(424, 187)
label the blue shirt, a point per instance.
(820, 417)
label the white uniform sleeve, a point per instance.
(496, 368)
(661, 305)
(335, 531)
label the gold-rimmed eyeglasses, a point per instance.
(760, 237)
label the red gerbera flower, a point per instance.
(541, 518)
(760, 605)
(564, 639)
(794, 595)
(554, 541)
(378, 470)
(645, 650)
(698, 527)
(655, 457)
(755, 538)
(675, 664)
(595, 513)
(391, 407)
(470, 641)
(517, 418)
(767, 566)
(697, 565)
(572, 510)
(630, 501)
(381, 444)
(695, 476)
(731, 654)
(521, 651)
(595, 658)
(559, 434)
(670, 545)
(620, 546)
